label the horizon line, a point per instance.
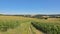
(26, 14)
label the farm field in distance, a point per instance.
(27, 25)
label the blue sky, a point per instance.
(30, 6)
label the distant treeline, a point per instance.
(50, 16)
(38, 16)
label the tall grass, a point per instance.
(8, 22)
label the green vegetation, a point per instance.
(26, 25)
(7, 24)
(48, 28)
(16, 25)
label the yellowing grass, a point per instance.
(24, 27)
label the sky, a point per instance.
(30, 6)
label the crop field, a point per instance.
(25, 25)
(17, 25)
(49, 26)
